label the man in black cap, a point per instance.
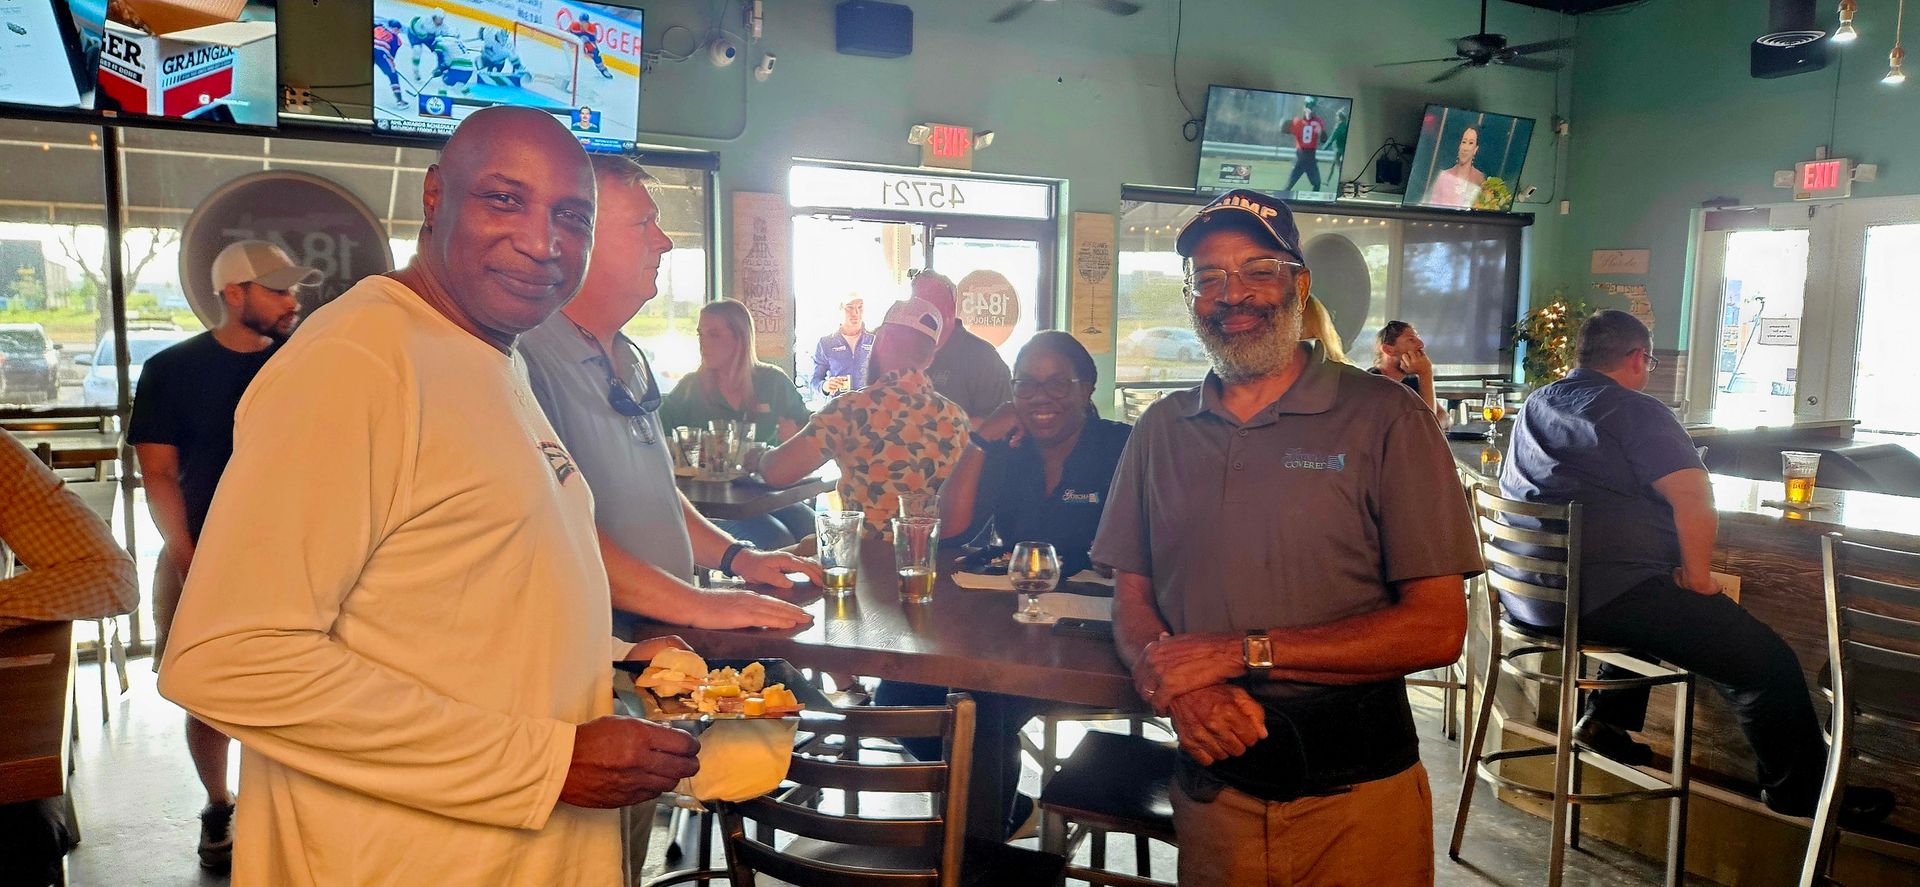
(1290, 541)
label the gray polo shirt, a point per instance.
(1303, 515)
(968, 371)
(636, 503)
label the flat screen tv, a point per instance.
(436, 62)
(1468, 159)
(46, 64)
(1281, 143)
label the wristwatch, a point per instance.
(1257, 649)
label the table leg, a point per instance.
(993, 739)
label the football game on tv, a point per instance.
(1468, 159)
(1281, 143)
(435, 63)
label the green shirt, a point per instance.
(774, 398)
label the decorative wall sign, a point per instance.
(762, 270)
(317, 221)
(1621, 261)
(1638, 303)
(1091, 317)
(988, 305)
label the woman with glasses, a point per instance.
(732, 383)
(1040, 466)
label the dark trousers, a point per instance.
(33, 837)
(1749, 664)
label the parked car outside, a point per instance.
(29, 364)
(101, 386)
(1163, 343)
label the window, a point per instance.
(55, 306)
(1455, 279)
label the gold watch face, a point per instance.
(1259, 651)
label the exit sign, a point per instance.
(948, 147)
(1823, 179)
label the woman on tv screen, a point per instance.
(1457, 185)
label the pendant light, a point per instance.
(1845, 33)
(1897, 75)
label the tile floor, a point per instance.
(138, 804)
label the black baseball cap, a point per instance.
(1248, 210)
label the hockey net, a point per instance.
(552, 60)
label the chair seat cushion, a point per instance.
(985, 863)
(1117, 782)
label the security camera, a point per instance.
(765, 69)
(722, 52)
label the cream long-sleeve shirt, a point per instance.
(398, 608)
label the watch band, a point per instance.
(733, 551)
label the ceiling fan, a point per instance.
(1483, 49)
(1019, 8)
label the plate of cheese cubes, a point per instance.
(678, 685)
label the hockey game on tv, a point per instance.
(435, 63)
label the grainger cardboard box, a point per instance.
(188, 58)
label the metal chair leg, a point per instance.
(1470, 771)
(1562, 768)
(1682, 751)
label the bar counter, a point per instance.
(1776, 555)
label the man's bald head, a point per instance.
(509, 215)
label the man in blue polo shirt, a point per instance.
(1646, 581)
(840, 359)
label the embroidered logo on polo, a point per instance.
(1072, 498)
(1298, 458)
(559, 460)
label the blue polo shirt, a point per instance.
(833, 357)
(1591, 440)
(1013, 490)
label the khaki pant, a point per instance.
(1378, 835)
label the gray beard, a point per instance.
(1263, 351)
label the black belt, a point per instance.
(1323, 744)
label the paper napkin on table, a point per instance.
(985, 582)
(1063, 605)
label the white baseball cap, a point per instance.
(918, 315)
(257, 261)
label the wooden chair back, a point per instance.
(943, 827)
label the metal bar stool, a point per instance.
(1874, 658)
(1113, 782)
(1551, 536)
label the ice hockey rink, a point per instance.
(563, 76)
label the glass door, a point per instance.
(1889, 293)
(837, 260)
(1753, 299)
(999, 284)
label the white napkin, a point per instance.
(741, 759)
(1003, 582)
(1062, 605)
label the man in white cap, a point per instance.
(182, 430)
(897, 435)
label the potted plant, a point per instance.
(1549, 331)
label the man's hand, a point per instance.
(834, 384)
(651, 647)
(618, 762)
(744, 609)
(1179, 664)
(1702, 584)
(1218, 722)
(1416, 363)
(772, 567)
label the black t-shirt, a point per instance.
(1410, 380)
(1013, 490)
(186, 399)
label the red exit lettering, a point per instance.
(1820, 176)
(950, 141)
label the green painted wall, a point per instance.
(1665, 116)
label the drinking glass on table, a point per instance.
(1799, 470)
(921, 504)
(916, 540)
(1493, 408)
(838, 535)
(1035, 570)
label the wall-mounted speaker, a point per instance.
(869, 27)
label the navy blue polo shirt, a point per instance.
(1591, 440)
(1013, 490)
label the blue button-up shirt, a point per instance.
(1591, 440)
(833, 357)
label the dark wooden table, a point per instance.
(742, 499)
(962, 639)
(36, 707)
(76, 448)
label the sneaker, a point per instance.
(216, 837)
(1599, 736)
(1860, 806)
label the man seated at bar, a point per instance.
(1290, 541)
(598, 390)
(840, 358)
(1646, 580)
(75, 570)
(1402, 357)
(397, 605)
(897, 435)
(1040, 466)
(966, 369)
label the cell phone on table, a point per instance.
(1084, 628)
